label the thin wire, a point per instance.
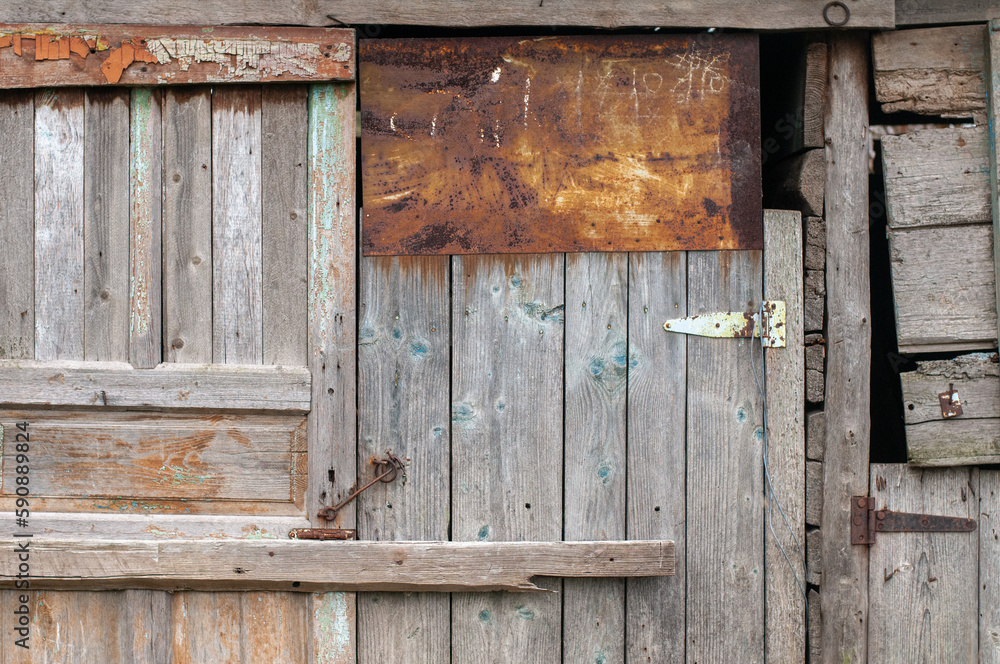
(772, 498)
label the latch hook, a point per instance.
(386, 470)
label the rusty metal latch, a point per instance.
(951, 404)
(323, 534)
(737, 324)
(386, 470)
(866, 521)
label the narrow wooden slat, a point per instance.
(595, 457)
(993, 56)
(17, 270)
(935, 71)
(236, 226)
(958, 443)
(783, 15)
(393, 566)
(106, 226)
(724, 479)
(273, 627)
(99, 384)
(145, 228)
(944, 288)
(206, 627)
(187, 225)
(657, 457)
(147, 456)
(922, 586)
(848, 362)
(332, 337)
(403, 382)
(70, 55)
(785, 617)
(989, 566)
(162, 526)
(284, 129)
(976, 378)
(923, 12)
(59, 225)
(507, 400)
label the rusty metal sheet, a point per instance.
(61, 55)
(605, 143)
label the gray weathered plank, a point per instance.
(507, 405)
(959, 442)
(848, 362)
(146, 158)
(106, 226)
(284, 129)
(989, 566)
(922, 585)
(66, 525)
(403, 382)
(657, 392)
(305, 566)
(935, 71)
(937, 177)
(17, 270)
(59, 225)
(594, 440)
(778, 15)
(944, 288)
(924, 12)
(976, 378)
(785, 617)
(725, 511)
(187, 225)
(993, 75)
(332, 338)
(99, 384)
(237, 332)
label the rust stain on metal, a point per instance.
(158, 55)
(323, 534)
(951, 404)
(506, 145)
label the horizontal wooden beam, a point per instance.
(26, 383)
(60, 55)
(770, 15)
(235, 564)
(116, 525)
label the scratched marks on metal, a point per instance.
(609, 143)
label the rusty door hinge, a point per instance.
(866, 521)
(323, 534)
(737, 324)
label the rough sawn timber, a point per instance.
(305, 566)
(993, 71)
(36, 56)
(777, 15)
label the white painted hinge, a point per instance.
(737, 324)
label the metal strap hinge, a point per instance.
(866, 521)
(737, 325)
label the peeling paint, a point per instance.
(333, 622)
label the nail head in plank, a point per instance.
(171, 55)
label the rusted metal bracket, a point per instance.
(386, 470)
(951, 404)
(866, 521)
(736, 325)
(323, 534)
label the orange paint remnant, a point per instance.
(6, 40)
(41, 47)
(79, 46)
(17, 45)
(92, 43)
(64, 48)
(120, 58)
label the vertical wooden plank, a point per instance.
(236, 225)
(206, 627)
(507, 405)
(848, 360)
(989, 566)
(657, 456)
(17, 232)
(595, 460)
(332, 337)
(785, 618)
(106, 226)
(146, 260)
(725, 580)
(284, 141)
(403, 382)
(993, 112)
(273, 626)
(187, 225)
(59, 225)
(922, 586)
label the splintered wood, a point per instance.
(640, 143)
(63, 55)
